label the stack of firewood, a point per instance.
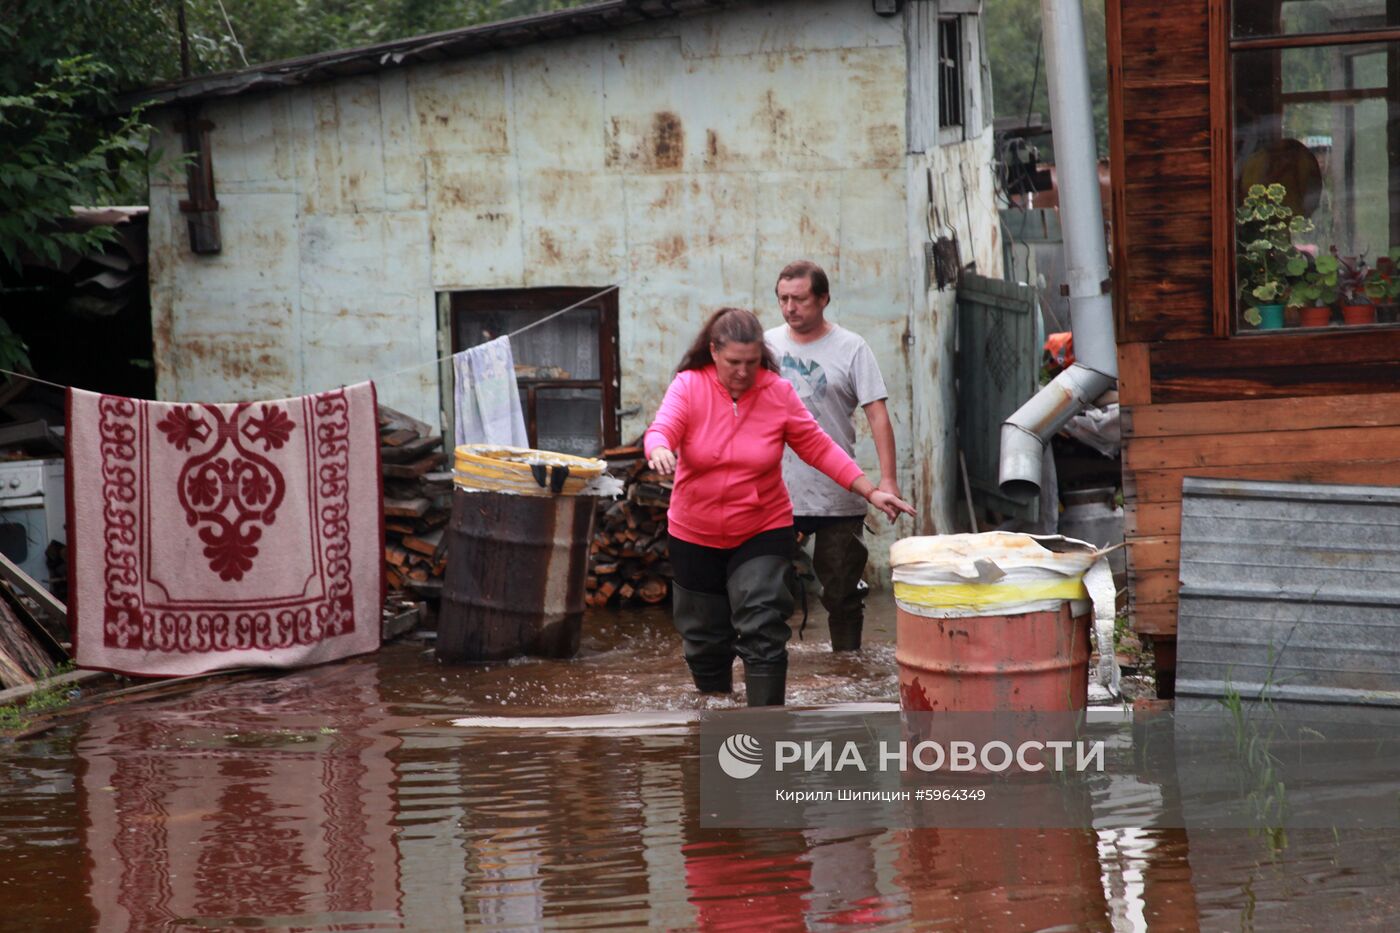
(417, 503)
(628, 560)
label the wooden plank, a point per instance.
(1151, 170)
(406, 508)
(23, 659)
(1146, 291)
(1222, 196)
(1134, 377)
(31, 588)
(1155, 586)
(429, 543)
(1170, 100)
(1117, 164)
(1161, 552)
(1275, 382)
(412, 470)
(1152, 453)
(1153, 618)
(16, 695)
(396, 420)
(1145, 131)
(1151, 519)
(1154, 486)
(411, 450)
(1339, 346)
(1170, 228)
(1254, 415)
(398, 438)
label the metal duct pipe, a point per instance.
(1025, 435)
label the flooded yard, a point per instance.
(345, 798)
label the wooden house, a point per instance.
(1206, 98)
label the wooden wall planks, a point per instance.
(1159, 106)
(1352, 439)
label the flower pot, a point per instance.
(1270, 317)
(1319, 316)
(1358, 314)
(1387, 314)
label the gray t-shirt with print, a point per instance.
(833, 376)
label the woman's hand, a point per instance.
(890, 504)
(664, 462)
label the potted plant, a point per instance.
(1383, 287)
(1269, 266)
(1352, 276)
(1316, 294)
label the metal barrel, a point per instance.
(515, 576)
(1031, 662)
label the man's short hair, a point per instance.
(805, 269)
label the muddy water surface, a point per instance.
(344, 798)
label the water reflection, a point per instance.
(269, 800)
(344, 798)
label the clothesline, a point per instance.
(394, 372)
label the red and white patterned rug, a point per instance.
(206, 537)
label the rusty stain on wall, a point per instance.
(667, 142)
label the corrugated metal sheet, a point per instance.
(1292, 586)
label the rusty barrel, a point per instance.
(516, 566)
(1030, 662)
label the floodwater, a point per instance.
(345, 798)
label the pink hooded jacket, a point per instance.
(729, 475)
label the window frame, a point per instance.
(951, 132)
(464, 303)
(1223, 46)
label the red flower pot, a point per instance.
(1314, 317)
(1358, 314)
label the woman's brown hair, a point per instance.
(727, 325)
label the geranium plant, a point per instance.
(1319, 284)
(1270, 266)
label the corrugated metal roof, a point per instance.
(1291, 585)
(456, 43)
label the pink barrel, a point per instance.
(1033, 662)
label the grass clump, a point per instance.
(47, 696)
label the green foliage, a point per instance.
(257, 31)
(1257, 769)
(1383, 282)
(50, 161)
(1270, 265)
(1013, 35)
(45, 698)
(1319, 286)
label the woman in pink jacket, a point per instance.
(722, 428)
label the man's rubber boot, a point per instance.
(760, 603)
(766, 684)
(703, 621)
(848, 621)
(845, 633)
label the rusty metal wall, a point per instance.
(1290, 585)
(685, 160)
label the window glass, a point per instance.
(1259, 18)
(1316, 166)
(567, 421)
(950, 72)
(562, 349)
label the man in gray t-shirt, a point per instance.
(834, 372)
